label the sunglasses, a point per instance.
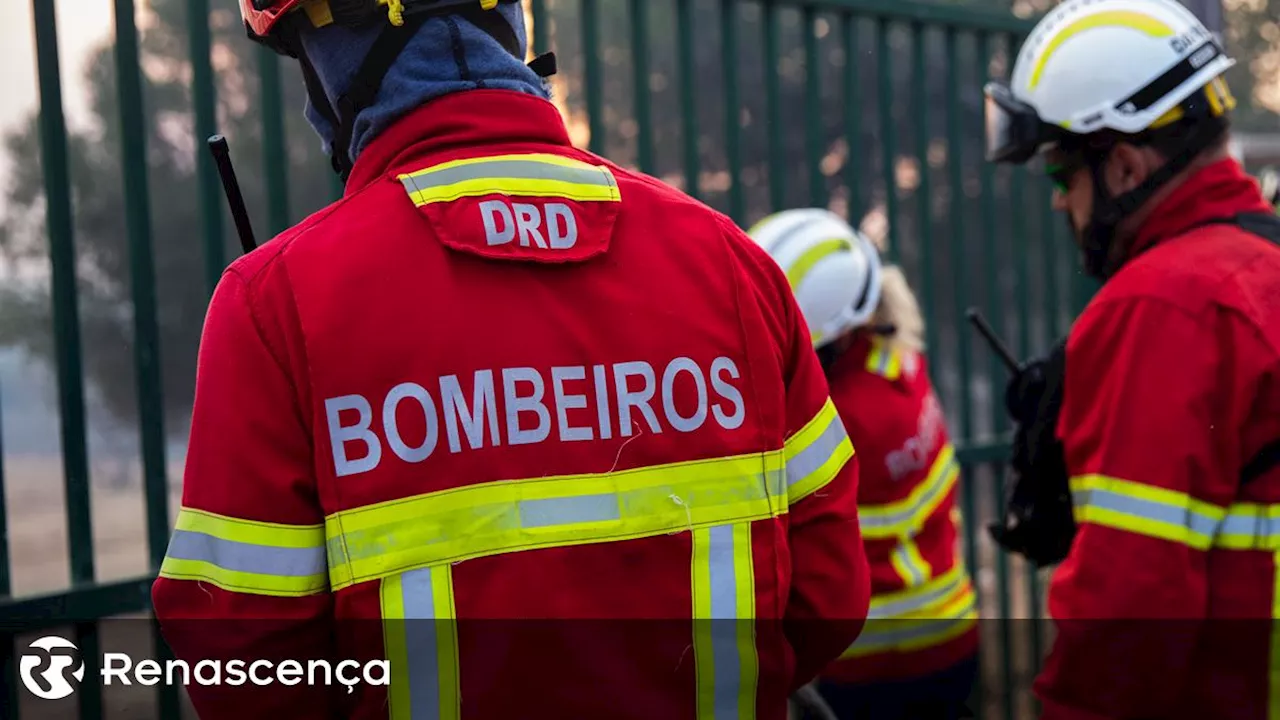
(1061, 172)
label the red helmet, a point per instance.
(262, 15)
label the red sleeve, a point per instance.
(830, 578)
(245, 577)
(1145, 416)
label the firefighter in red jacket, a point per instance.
(506, 427)
(1170, 403)
(917, 656)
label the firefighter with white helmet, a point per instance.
(917, 656)
(1157, 419)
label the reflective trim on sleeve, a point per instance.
(909, 514)
(816, 453)
(724, 651)
(528, 175)
(247, 556)
(1145, 510)
(512, 515)
(920, 630)
(421, 638)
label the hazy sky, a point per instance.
(82, 24)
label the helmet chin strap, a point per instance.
(1099, 236)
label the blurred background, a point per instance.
(113, 230)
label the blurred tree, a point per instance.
(100, 233)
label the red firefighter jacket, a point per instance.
(1164, 605)
(923, 615)
(518, 424)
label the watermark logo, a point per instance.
(49, 670)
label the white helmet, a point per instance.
(834, 270)
(1094, 65)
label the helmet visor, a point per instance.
(1014, 131)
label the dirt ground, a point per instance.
(38, 550)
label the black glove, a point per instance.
(1037, 522)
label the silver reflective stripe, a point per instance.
(1263, 531)
(724, 615)
(1176, 515)
(901, 607)
(245, 557)
(567, 511)
(882, 634)
(904, 558)
(421, 643)
(939, 487)
(503, 169)
(807, 461)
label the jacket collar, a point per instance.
(467, 119)
(1219, 190)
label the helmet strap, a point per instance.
(1100, 259)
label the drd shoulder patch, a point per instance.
(528, 207)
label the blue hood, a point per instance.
(446, 55)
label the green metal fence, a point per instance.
(871, 107)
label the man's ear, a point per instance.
(1127, 168)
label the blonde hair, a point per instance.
(898, 307)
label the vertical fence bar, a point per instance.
(995, 370)
(6, 582)
(541, 33)
(591, 74)
(852, 117)
(9, 675)
(688, 100)
(888, 142)
(66, 313)
(142, 279)
(773, 106)
(640, 65)
(813, 124)
(66, 322)
(924, 191)
(732, 108)
(958, 254)
(275, 156)
(968, 477)
(204, 101)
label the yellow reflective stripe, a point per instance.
(725, 661)
(512, 515)
(909, 563)
(915, 633)
(525, 175)
(803, 264)
(922, 599)
(252, 532)
(1273, 704)
(816, 453)
(420, 634)
(1145, 510)
(1113, 18)
(909, 514)
(246, 556)
(883, 360)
